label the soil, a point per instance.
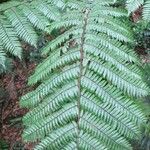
(15, 85)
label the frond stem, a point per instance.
(86, 12)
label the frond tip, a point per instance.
(88, 84)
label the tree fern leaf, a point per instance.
(73, 55)
(58, 3)
(9, 39)
(115, 22)
(40, 129)
(59, 138)
(59, 40)
(132, 5)
(33, 98)
(104, 10)
(9, 4)
(112, 45)
(146, 10)
(18, 19)
(71, 14)
(122, 81)
(77, 5)
(109, 56)
(22, 26)
(107, 2)
(35, 17)
(47, 9)
(52, 103)
(64, 23)
(90, 143)
(51, 59)
(101, 130)
(2, 58)
(90, 78)
(116, 100)
(123, 104)
(110, 31)
(70, 146)
(111, 116)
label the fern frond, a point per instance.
(22, 27)
(111, 31)
(90, 142)
(72, 56)
(9, 4)
(19, 18)
(68, 93)
(146, 10)
(59, 137)
(33, 98)
(63, 116)
(108, 55)
(50, 11)
(58, 3)
(35, 17)
(103, 131)
(123, 81)
(2, 58)
(9, 39)
(133, 5)
(112, 44)
(87, 85)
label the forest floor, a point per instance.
(15, 86)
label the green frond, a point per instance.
(104, 132)
(52, 102)
(89, 83)
(19, 18)
(133, 5)
(108, 29)
(2, 57)
(77, 5)
(63, 60)
(35, 17)
(9, 4)
(113, 96)
(65, 23)
(5, 62)
(124, 82)
(49, 10)
(146, 10)
(114, 59)
(22, 27)
(58, 3)
(106, 2)
(33, 98)
(62, 38)
(90, 142)
(63, 116)
(70, 146)
(111, 44)
(60, 137)
(105, 10)
(9, 39)
(115, 22)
